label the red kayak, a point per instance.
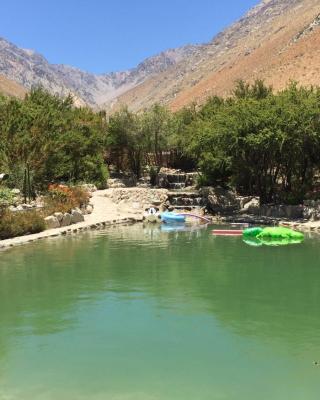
(227, 232)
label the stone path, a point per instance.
(105, 213)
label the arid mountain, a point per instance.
(277, 40)
(29, 69)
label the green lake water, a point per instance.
(143, 314)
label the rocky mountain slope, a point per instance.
(277, 40)
(29, 69)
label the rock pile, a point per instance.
(176, 179)
(223, 201)
(138, 198)
(115, 183)
(311, 210)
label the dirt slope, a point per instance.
(11, 88)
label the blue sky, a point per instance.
(103, 36)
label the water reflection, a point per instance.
(216, 286)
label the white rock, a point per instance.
(52, 222)
(15, 191)
(89, 209)
(254, 203)
(115, 183)
(89, 187)
(59, 216)
(136, 206)
(27, 206)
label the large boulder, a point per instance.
(52, 222)
(220, 200)
(227, 201)
(66, 219)
(59, 216)
(250, 205)
(76, 216)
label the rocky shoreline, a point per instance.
(126, 206)
(105, 213)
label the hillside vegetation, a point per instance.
(58, 141)
(259, 142)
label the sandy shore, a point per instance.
(105, 213)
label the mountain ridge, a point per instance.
(276, 40)
(259, 35)
(29, 68)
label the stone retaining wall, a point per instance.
(58, 219)
(138, 198)
(280, 211)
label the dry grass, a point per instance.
(11, 88)
(14, 224)
(63, 199)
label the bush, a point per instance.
(102, 177)
(61, 198)
(6, 197)
(14, 224)
(80, 196)
(16, 177)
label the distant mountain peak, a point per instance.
(29, 68)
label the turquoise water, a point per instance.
(143, 314)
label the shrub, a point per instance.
(102, 177)
(58, 199)
(96, 172)
(14, 224)
(16, 176)
(6, 197)
(61, 198)
(80, 196)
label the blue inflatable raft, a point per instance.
(169, 217)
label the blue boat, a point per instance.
(169, 217)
